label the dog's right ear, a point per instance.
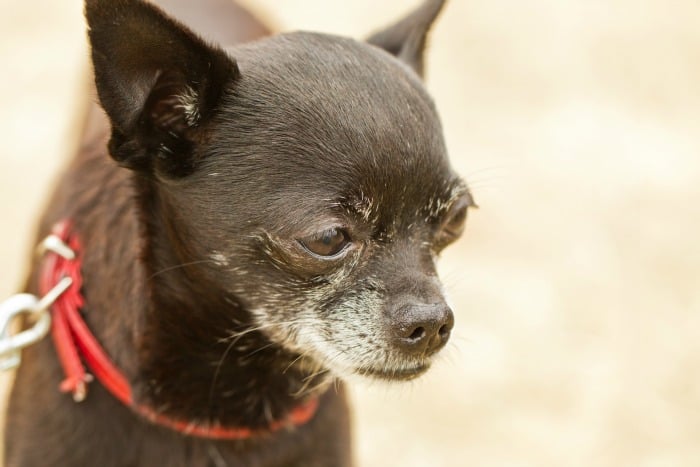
(157, 81)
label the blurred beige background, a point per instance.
(577, 287)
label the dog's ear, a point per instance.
(406, 39)
(157, 81)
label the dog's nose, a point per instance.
(424, 329)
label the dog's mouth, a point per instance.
(392, 374)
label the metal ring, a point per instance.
(53, 294)
(10, 345)
(55, 244)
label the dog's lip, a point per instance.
(403, 374)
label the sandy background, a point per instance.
(577, 287)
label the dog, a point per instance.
(256, 224)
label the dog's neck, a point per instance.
(200, 357)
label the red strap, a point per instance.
(298, 416)
(56, 267)
(72, 338)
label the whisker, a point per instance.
(305, 388)
(233, 339)
(178, 266)
(302, 355)
(266, 346)
(212, 387)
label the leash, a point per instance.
(58, 310)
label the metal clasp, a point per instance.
(32, 306)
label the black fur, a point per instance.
(199, 279)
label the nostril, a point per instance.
(417, 333)
(444, 331)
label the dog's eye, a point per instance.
(457, 217)
(453, 225)
(328, 243)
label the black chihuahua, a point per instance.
(268, 223)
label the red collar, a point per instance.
(73, 339)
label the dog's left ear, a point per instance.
(157, 81)
(406, 39)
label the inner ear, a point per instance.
(157, 81)
(172, 104)
(407, 38)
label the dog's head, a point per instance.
(305, 173)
